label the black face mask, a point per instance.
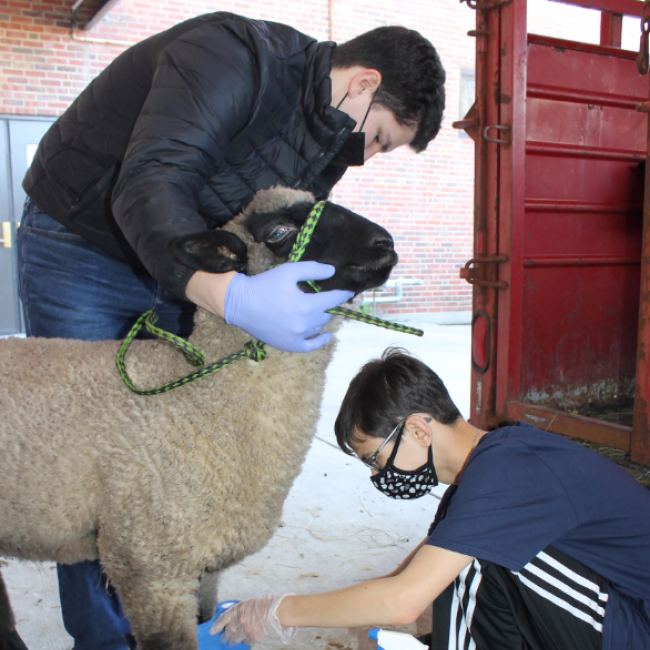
(351, 154)
(404, 484)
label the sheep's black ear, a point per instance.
(214, 251)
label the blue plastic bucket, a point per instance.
(207, 642)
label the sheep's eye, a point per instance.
(279, 234)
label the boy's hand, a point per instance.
(252, 621)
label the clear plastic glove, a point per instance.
(252, 621)
(272, 308)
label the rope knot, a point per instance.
(255, 350)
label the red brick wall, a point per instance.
(425, 200)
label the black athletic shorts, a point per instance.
(553, 603)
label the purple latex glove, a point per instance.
(272, 308)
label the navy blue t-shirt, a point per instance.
(524, 489)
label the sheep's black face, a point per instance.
(362, 251)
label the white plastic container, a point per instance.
(387, 640)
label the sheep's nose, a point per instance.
(383, 243)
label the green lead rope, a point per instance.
(373, 320)
(253, 349)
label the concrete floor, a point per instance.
(337, 529)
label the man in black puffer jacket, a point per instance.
(173, 139)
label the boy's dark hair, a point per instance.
(412, 77)
(387, 390)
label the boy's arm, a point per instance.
(399, 600)
(384, 601)
(406, 561)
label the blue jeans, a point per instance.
(71, 289)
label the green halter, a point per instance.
(254, 349)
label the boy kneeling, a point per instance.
(538, 543)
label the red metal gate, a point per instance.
(559, 197)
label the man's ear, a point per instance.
(213, 251)
(418, 426)
(368, 80)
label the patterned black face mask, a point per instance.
(404, 484)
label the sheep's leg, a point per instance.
(9, 637)
(207, 595)
(162, 612)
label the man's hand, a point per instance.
(252, 621)
(269, 305)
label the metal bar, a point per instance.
(470, 275)
(640, 445)
(486, 5)
(97, 17)
(553, 205)
(505, 129)
(503, 285)
(594, 153)
(582, 47)
(539, 91)
(584, 260)
(470, 124)
(396, 284)
(490, 259)
(611, 29)
(465, 124)
(578, 426)
(512, 185)
(625, 7)
(98, 41)
(485, 206)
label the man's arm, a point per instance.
(202, 95)
(208, 290)
(406, 561)
(387, 601)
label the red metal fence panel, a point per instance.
(558, 246)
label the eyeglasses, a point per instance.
(372, 461)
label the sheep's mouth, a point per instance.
(386, 262)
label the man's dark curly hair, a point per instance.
(412, 77)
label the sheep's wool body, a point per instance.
(161, 487)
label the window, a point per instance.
(467, 82)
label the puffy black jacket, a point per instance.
(181, 130)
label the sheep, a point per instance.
(166, 489)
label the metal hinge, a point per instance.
(505, 129)
(469, 275)
(484, 6)
(470, 123)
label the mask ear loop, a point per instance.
(393, 454)
(390, 463)
(367, 112)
